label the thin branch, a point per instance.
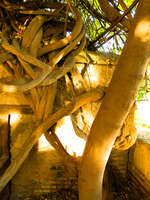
(32, 30)
(55, 142)
(124, 7)
(115, 23)
(5, 56)
(92, 11)
(113, 14)
(31, 5)
(77, 130)
(109, 38)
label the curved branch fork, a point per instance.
(69, 108)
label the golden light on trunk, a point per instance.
(142, 30)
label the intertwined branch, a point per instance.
(36, 54)
(25, 44)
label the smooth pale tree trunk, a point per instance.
(118, 100)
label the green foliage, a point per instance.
(141, 94)
(128, 2)
(145, 86)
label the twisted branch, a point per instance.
(63, 42)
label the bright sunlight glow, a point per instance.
(43, 144)
(14, 118)
(142, 30)
(72, 143)
(143, 111)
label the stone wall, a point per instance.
(129, 171)
(139, 167)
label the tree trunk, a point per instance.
(118, 100)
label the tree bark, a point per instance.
(119, 98)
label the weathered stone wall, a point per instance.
(129, 171)
(139, 167)
(115, 179)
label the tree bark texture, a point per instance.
(119, 98)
